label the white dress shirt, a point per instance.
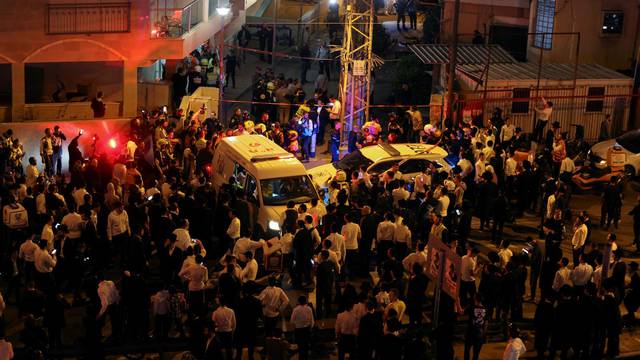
(224, 319)
(197, 275)
(506, 132)
(419, 257)
(183, 238)
(581, 275)
(467, 268)
(250, 271)
(510, 167)
(245, 244)
(273, 300)
(347, 323)
(563, 277)
(234, 229)
(44, 262)
(302, 317)
(579, 236)
(443, 203)
(73, 221)
(117, 224)
(41, 204)
(402, 234)
(48, 236)
(385, 231)
(351, 233)
(28, 251)
(78, 196)
(337, 245)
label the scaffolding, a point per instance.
(356, 60)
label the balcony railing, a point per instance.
(96, 18)
(172, 20)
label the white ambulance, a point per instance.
(268, 175)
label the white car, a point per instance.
(628, 143)
(379, 158)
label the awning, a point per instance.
(468, 54)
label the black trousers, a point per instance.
(323, 302)
(538, 130)
(467, 292)
(346, 345)
(303, 340)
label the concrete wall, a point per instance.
(613, 51)
(481, 14)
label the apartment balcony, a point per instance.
(88, 18)
(182, 26)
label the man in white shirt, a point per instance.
(480, 167)
(198, 276)
(544, 113)
(422, 182)
(47, 233)
(32, 173)
(233, 231)
(352, 235)
(400, 193)
(337, 243)
(579, 238)
(334, 111)
(563, 276)
(317, 211)
(78, 195)
(43, 261)
(118, 230)
(467, 277)
(515, 347)
(567, 167)
(402, 239)
(581, 274)
(183, 238)
(73, 222)
(224, 320)
(384, 236)
(273, 300)
(417, 257)
(507, 132)
(27, 253)
(302, 320)
(244, 245)
(250, 270)
(551, 204)
(347, 325)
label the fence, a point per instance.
(569, 109)
(88, 18)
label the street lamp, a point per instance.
(222, 11)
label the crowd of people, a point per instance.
(153, 250)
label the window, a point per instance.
(612, 22)
(545, 14)
(413, 166)
(520, 107)
(240, 175)
(252, 190)
(595, 105)
(280, 191)
(381, 167)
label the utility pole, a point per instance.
(453, 58)
(356, 59)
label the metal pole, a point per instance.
(275, 33)
(486, 83)
(538, 79)
(222, 77)
(575, 79)
(453, 57)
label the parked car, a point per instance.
(628, 143)
(379, 158)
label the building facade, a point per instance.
(608, 31)
(49, 47)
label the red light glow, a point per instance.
(112, 143)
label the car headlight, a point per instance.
(273, 225)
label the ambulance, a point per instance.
(268, 175)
